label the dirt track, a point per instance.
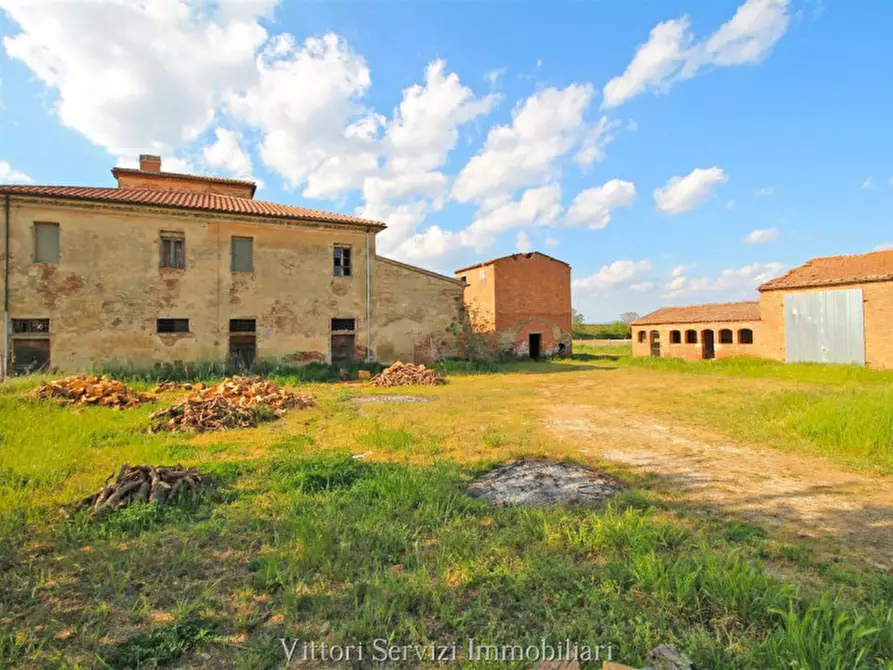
(799, 496)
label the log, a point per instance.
(119, 493)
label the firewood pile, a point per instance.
(407, 374)
(144, 484)
(238, 402)
(166, 387)
(90, 390)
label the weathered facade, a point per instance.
(169, 268)
(524, 301)
(835, 309)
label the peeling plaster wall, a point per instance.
(107, 291)
(412, 311)
(695, 351)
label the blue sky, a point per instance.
(671, 152)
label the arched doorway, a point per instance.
(707, 349)
(655, 343)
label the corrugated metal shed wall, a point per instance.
(825, 327)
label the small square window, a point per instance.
(173, 251)
(46, 243)
(242, 254)
(344, 324)
(31, 326)
(172, 325)
(242, 325)
(341, 260)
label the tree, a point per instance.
(629, 317)
(577, 319)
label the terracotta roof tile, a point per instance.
(831, 270)
(720, 311)
(206, 202)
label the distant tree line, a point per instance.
(618, 330)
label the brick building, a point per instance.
(524, 301)
(170, 267)
(835, 309)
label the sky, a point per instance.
(671, 152)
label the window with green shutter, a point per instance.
(46, 243)
(242, 254)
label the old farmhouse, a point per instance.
(173, 267)
(836, 309)
(523, 301)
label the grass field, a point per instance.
(298, 539)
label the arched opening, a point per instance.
(655, 343)
(725, 336)
(642, 337)
(691, 337)
(707, 350)
(745, 336)
(675, 337)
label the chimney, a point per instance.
(149, 163)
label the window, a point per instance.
(745, 336)
(675, 337)
(691, 337)
(30, 326)
(725, 336)
(46, 243)
(344, 324)
(642, 336)
(242, 252)
(242, 326)
(173, 251)
(342, 261)
(172, 326)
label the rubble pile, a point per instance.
(407, 374)
(237, 402)
(90, 390)
(144, 484)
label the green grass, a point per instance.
(297, 538)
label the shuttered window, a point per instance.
(46, 243)
(173, 251)
(242, 254)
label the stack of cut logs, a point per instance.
(238, 402)
(90, 390)
(146, 484)
(407, 374)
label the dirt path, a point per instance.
(800, 496)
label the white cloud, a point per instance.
(868, 183)
(140, 76)
(493, 76)
(884, 247)
(764, 192)
(622, 272)
(594, 206)
(523, 243)
(551, 242)
(227, 153)
(671, 53)
(762, 236)
(643, 287)
(682, 194)
(9, 175)
(731, 284)
(548, 125)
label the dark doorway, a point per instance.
(655, 343)
(242, 351)
(342, 349)
(707, 345)
(535, 341)
(31, 355)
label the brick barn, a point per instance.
(835, 309)
(524, 301)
